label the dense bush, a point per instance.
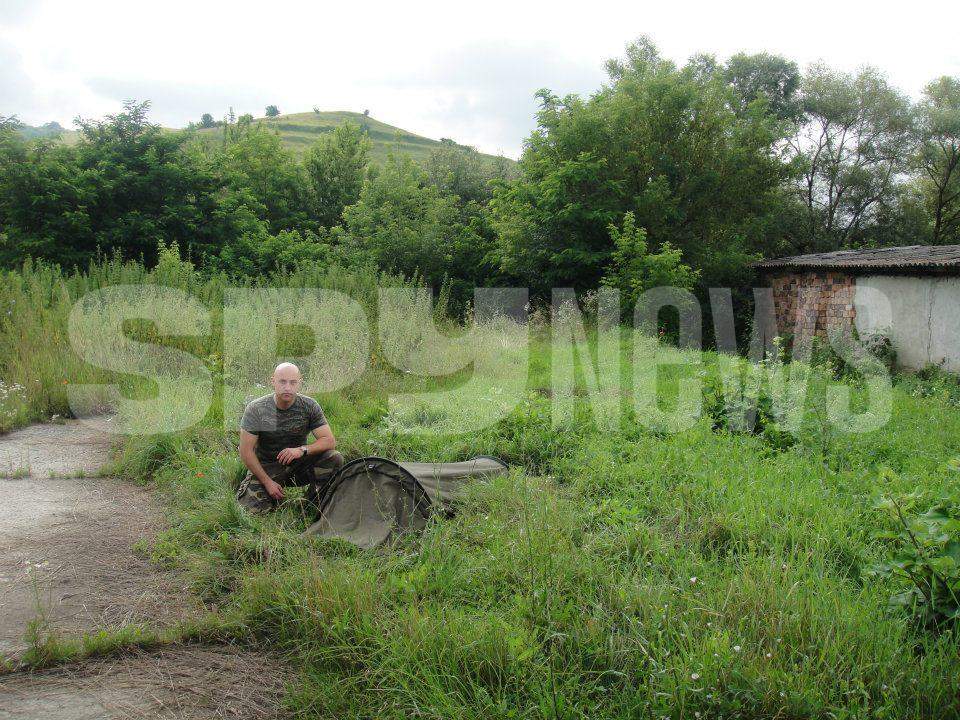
(634, 270)
(927, 561)
(851, 357)
(750, 407)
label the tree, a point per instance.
(662, 142)
(634, 269)
(255, 162)
(850, 150)
(770, 78)
(459, 171)
(334, 169)
(462, 175)
(938, 157)
(125, 187)
(406, 225)
(207, 121)
(9, 123)
(251, 255)
(271, 111)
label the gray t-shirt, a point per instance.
(277, 429)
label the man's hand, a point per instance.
(274, 490)
(288, 455)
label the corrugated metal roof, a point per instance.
(913, 258)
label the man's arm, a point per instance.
(323, 441)
(248, 441)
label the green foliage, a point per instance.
(633, 269)
(271, 111)
(752, 410)
(38, 363)
(846, 357)
(659, 141)
(881, 347)
(461, 172)
(267, 254)
(255, 163)
(933, 381)
(852, 146)
(927, 562)
(770, 79)
(9, 123)
(244, 206)
(407, 226)
(335, 168)
(125, 186)
(467, 178)
(939, 158)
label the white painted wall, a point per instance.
(921, 315)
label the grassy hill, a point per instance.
(300, 130)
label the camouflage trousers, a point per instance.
(314, 472)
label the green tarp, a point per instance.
(372, 499)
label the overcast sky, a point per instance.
(431, 68)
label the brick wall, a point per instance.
(832, 308)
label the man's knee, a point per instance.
(327, 464)
(253, 496)
(335, 459)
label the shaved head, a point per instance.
(286, 383)
(284, 367)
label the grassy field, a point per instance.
(632, 572)
(300, 130)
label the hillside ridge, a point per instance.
(299, 130)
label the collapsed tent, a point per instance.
(372, 499)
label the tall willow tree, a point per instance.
(939, 158)
(852, 147)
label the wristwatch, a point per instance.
(304, 449)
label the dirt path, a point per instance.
(183, 682)
(67, 543)
(68, 449)
(68, 552)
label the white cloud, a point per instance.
(438, 69)
(14, 83)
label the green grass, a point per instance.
(299, 131)
(47, 648)
(631, 572)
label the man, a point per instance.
(273, 436)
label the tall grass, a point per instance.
(625, 572)
(38, 361)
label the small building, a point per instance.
(921, 283)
